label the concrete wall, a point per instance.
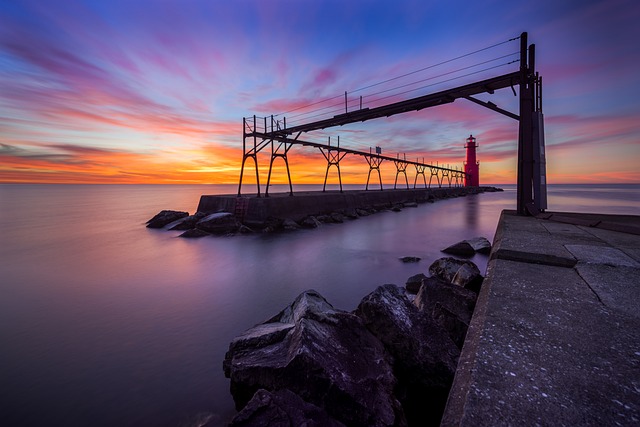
(300, 205)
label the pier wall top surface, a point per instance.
(555, 338)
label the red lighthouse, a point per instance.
(471, 165)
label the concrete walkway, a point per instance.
(555, 338)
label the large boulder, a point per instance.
(324, 355)
(469, 277)
(337, 217)
(407, 259)
(282, 408)
(447, 268)
(219, 223)
(480, 245)
(194, 233)
(450, 306)
(187, 223)
(424, 356)
(289, 224)
(310, 222)
(165, 217)
(469, 247)
(350, 213)
(462, 248)
(414, 282)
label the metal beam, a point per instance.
(413, 104)
(494, 107)
(344, 150)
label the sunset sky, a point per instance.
(154, 91)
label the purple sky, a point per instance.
(155, 91)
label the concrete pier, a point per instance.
(296, 207)
(555, 337)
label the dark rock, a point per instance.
(310, 222)
(425, 358)
(449, 305)
(410, 259)
(194, 233)
(187, 223)
(243, 229)
(281, 408)
(362, 212)
(324, 355)
(325, 219)
(469, 247)
(447, 267)
(165, 217)
(271, 225)
(350, 213)
(337, 218)
(468, 276)
(480, 245)
(397, 207)
(219, 223)
(410, 204)
(462, 248)
(414, 282)
(289, 224)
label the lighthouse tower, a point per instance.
(471, 165)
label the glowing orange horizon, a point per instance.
(132, 168)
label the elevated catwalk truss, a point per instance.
(281, 143)
(260, 133)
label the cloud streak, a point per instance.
(156, 92)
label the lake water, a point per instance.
(104, 322)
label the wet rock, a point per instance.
(462, 248)
(447, 267)
(449, 305)
(310, 222)
(324, 219)
(480, 245)
(414, 282)
(219, 223)
(362, 212)
(272, 225)
(469, 247)
(468, 276)
(165, 217)
(424, 355)
(337, 218)
(410, 259)
(410, 204)
(289, 224)
(243, 229)
(282, 408)
(195, 233)
(350, 213)
(397, 207)
(324, 355)
(186, 223)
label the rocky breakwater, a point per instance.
(390, 362)
(217, 215)
(199, 224)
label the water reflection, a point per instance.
(471, 211)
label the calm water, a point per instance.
(106, 323)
